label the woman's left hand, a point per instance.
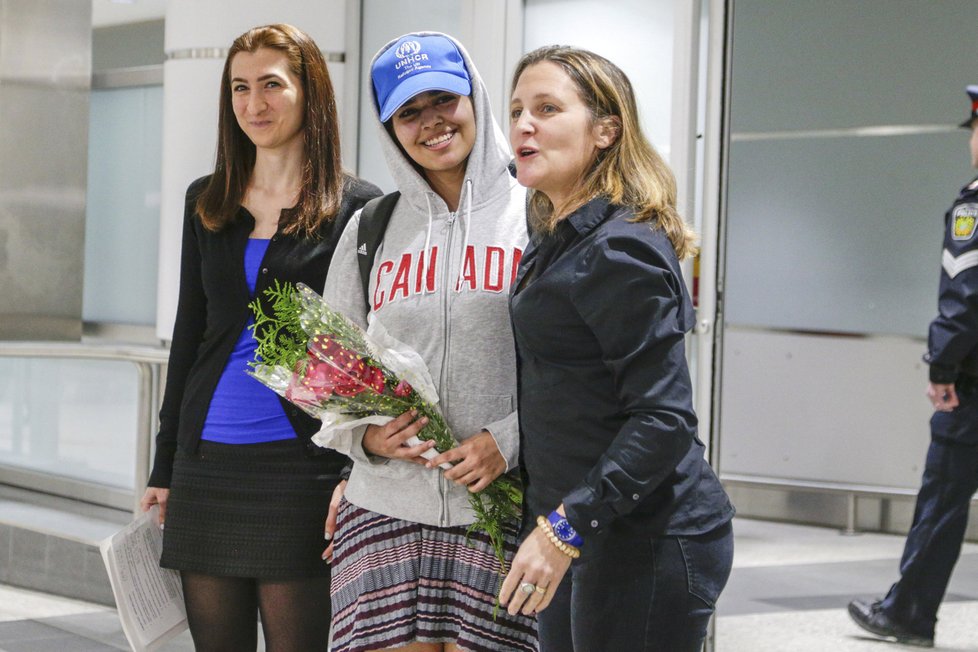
(330, 529)
(477, 462)
(540, 564)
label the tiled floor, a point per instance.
(787, 593)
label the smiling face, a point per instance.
(267, 99)
(437, 130)
(551, 132)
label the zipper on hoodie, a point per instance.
(446, 308)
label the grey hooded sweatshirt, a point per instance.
(439, 283)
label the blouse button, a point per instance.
(594, 523)
(264, 270)
(634, 496)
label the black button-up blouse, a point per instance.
(600, 312)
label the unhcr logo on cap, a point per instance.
(407, 48)
(409, 54)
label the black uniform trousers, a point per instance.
(940, 517)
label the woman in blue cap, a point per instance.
(405, 574)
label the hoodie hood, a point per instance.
(486, 171)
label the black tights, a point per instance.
(222, 613)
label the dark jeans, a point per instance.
(939, 523)
(639, 594)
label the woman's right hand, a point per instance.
(390, 440)
(155, 496)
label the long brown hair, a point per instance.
(322, 170)
(629, 172)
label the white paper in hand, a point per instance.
(149, 599)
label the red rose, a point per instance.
(403, 389)
(376, 381)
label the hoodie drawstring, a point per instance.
(465, 239)
(426, 259)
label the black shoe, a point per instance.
(870, 616)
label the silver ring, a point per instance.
(528, 588)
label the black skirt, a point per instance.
(255, 510)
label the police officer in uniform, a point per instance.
(908, 613)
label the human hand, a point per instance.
(477, 462)
(155, 496)
(390, 440)
(942, 396)
(539, 565)
(330, 530)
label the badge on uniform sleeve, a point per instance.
(965, 218)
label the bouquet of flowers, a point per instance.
(328, 366)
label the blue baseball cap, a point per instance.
(416, 64)
(972, 92)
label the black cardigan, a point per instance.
(213, 309)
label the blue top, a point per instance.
(242, 410)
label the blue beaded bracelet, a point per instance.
(564, 530)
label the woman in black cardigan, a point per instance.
(241, 489)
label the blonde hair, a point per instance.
(629, 172)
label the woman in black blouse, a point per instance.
(241, 489)
(618, 495)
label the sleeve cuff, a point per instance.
(586, 513)
(505, 433)
(942, 373)
(357, 452)
(162, 471)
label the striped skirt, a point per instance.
(396, 582)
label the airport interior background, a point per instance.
(816, 148)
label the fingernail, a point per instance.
(325, 557)
(424, 419)
(327, 536)
(414, 413)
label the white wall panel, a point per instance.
(832, 409)
(637, 35)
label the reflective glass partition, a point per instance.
(844, 154)
(70, 418)
(123, 212)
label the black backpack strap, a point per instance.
(374, 217)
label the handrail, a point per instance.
(84, 350)
(850, 490)
(150, 364)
